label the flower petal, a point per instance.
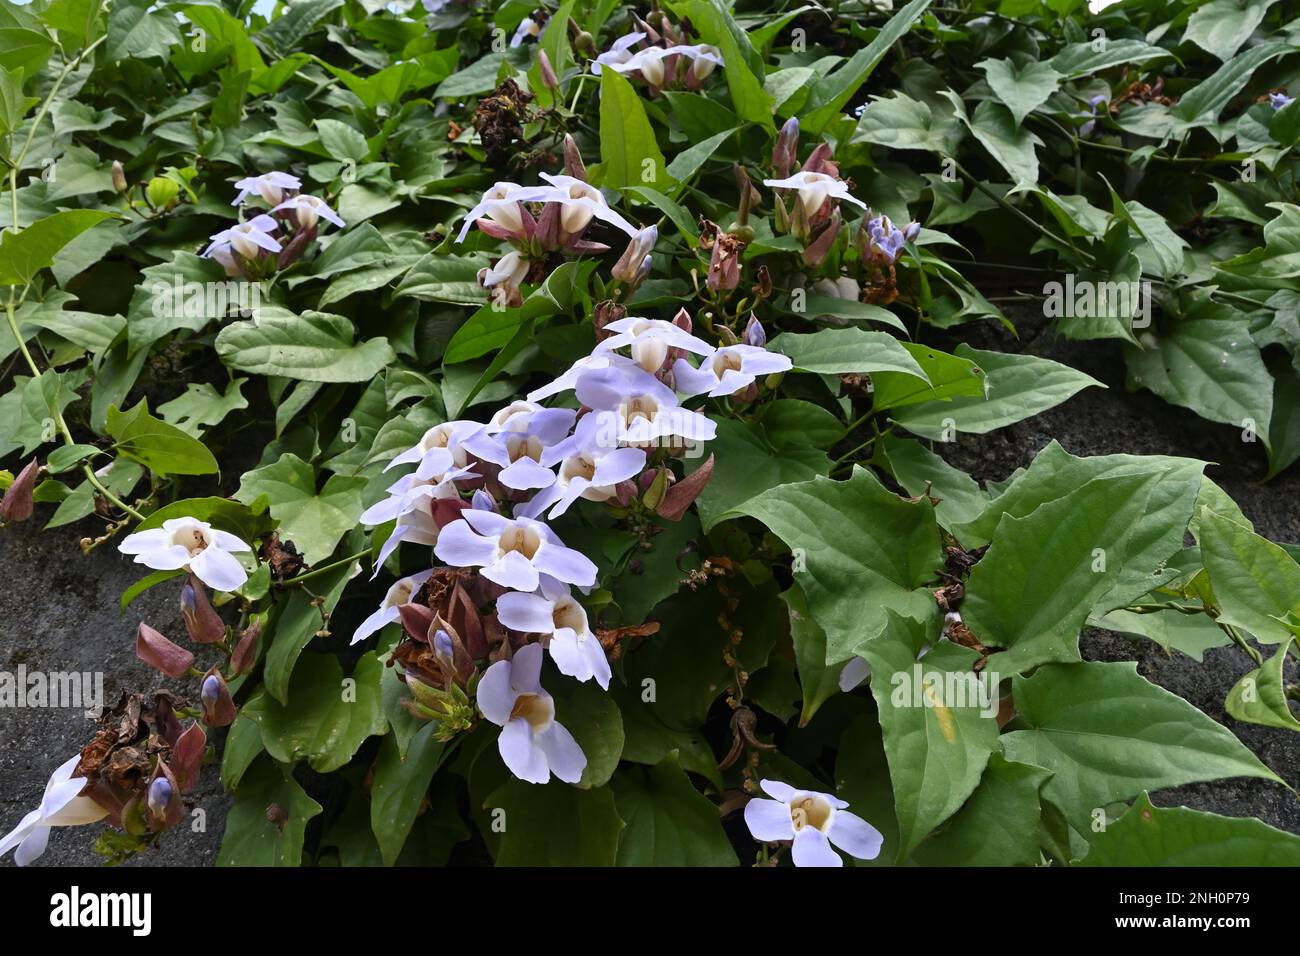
(855, 836)
(566, 759)
(495, 696)
(521, 754)
(528, 613)
(811, 848)
(768, 820)
(218, 570)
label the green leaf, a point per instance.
(1080, 59)
(242, 746)
(746, 464)
(1021, 89)
(202, 405)
(1108, 734)
(922, 472)
(330, 717)
(66, 457)
(901, 122)
(24, 254)
(947, 376)
(1222, 26)
(1255, 581)
(1202, 104)
(251, 838)
(847, 352)
(342, 141)
(14, 104)
(997, 826)
(688, 161)
(27, 410)
(863, 551)
(555, 824)
(830, 94)
(1147, 835)
(937, 740)
(163, 449)
(714, 22)
(1017, 387)
(1192, 634)
(314, 521)
(23, 50)
(1260, 697)
(313, 347)
(299, 622)
(629, 155)
(593, 718)
(668, 821)
(817, 681)
(399, 787)
(1044, 573)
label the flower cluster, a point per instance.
(481, 494)
(274, 240)
(666, 61)
(133, 774)
(544, 219)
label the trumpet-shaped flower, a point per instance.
(582, 202)
(308, 210)
(552, 611)
(269, 186)
(410, 500)
(814, 189)
(569, 380)
(399, 594)
(727, 370)
(635, 408)
(813, 821)
(439, 450)
(193, 544)
(532, 743)
(246, 238)
(620, 52)
(500, 205)
(588, 468)
(512, 552)
(61, 806)
(519, 446)
(650, 340)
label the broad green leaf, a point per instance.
(818, 681)
(1016, 387)
(901, 122)
(1255, 581)
(922, 472)
(330, 717)
(593, 718)
(1147, 836)
(1021, 89)
(1202, 104)
(302, 618)
(997, 826)
(1079, 59)
(940, 725)
(1222, 26)
(946, 376)
(713, 20)
(251, 837)
(830, 94)
(162, 448)
(399, 787)
(24, 254)
(201, 405)
(748, 463)
(14, 104)
(241, 747)
(860, 551)
(313, 347)
(1044, 573)
(343, 142)
(629, 155)
(847, 352)
(313, 520)
(668, 821)
(1260, 697)
(1108, 734)
(555, 824)
(1192, 634)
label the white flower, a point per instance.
(512, 552)
(532, 743)
(308, 210)
(553, 611)
(409, 502)
(814, 189)
(501, 205)
(728, 370)
(61, 806)
(569, 380)
(813, 821)
(246, 238)
(619, 53)
(650, 61)
(399, 594)
(518, 448)
(439, 450)
(650, 340)
(269, 186)
(509, 271)
(190, 543)
(528, 27)
(589, 467)
(582, 201)
(635, 408)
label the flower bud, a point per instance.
(912, 230)
(154, 649)
(244, 655)
(786, 148)
(682, 493)
(549, 79)
(754, 333)
(18, 503)
(162, 192)
(816, 251)
(573, 159)
(482, 500)
(118, 175)
(724, 266)
(202, 622)
(218, 707)
(629, 265)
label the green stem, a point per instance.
(327, 567)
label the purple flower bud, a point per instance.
(442, 643)
(754, 333)
(786, 148)
(160, 795)
(211, 691)
(912, 231)
(202, 622)
(219, 708)
(482, 500)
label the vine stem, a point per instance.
(55, 411)
(327, 567)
